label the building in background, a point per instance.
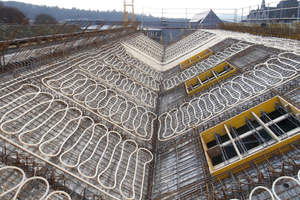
(284, 12)
(206, 19)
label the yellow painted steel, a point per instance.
(294, 110)
(202, 81)
(239, 121)
(197, 58)
(209, 161)
(127, 5)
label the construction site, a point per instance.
(113, 114)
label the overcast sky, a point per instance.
(142, 5)
(187, 8)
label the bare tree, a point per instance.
(10, 14)
(44, 19)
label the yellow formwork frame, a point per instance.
(196, 58)
(239, 121)
(210, 73)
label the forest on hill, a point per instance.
(62, 14)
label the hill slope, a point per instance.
(62, 14)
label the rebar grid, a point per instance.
(204, 65)
(146, 45)
(15, 185)
(64, 133)
(260, 171)
(104, 102)
(274, 30)
(10, 179)
(55, 45)
(59, 182)
(292, 95)
(73, 116)
(114, 55)
(187, 170)
(136, 109)
(50, 126)
(158, 52)
(185, 44)
(274, 72)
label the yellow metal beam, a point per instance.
(196, 58)
(239, 121)
(205, 83)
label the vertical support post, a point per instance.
(242, 14)
(235, 16)
(210, 19)
(186, 13)
(268, 13)
(125, 14)
(280, 10)
(249, 14)
(298, 12)
(142, 24)
(3, 58)
(186, 19)
(132, 14)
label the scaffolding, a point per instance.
(127, 5)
